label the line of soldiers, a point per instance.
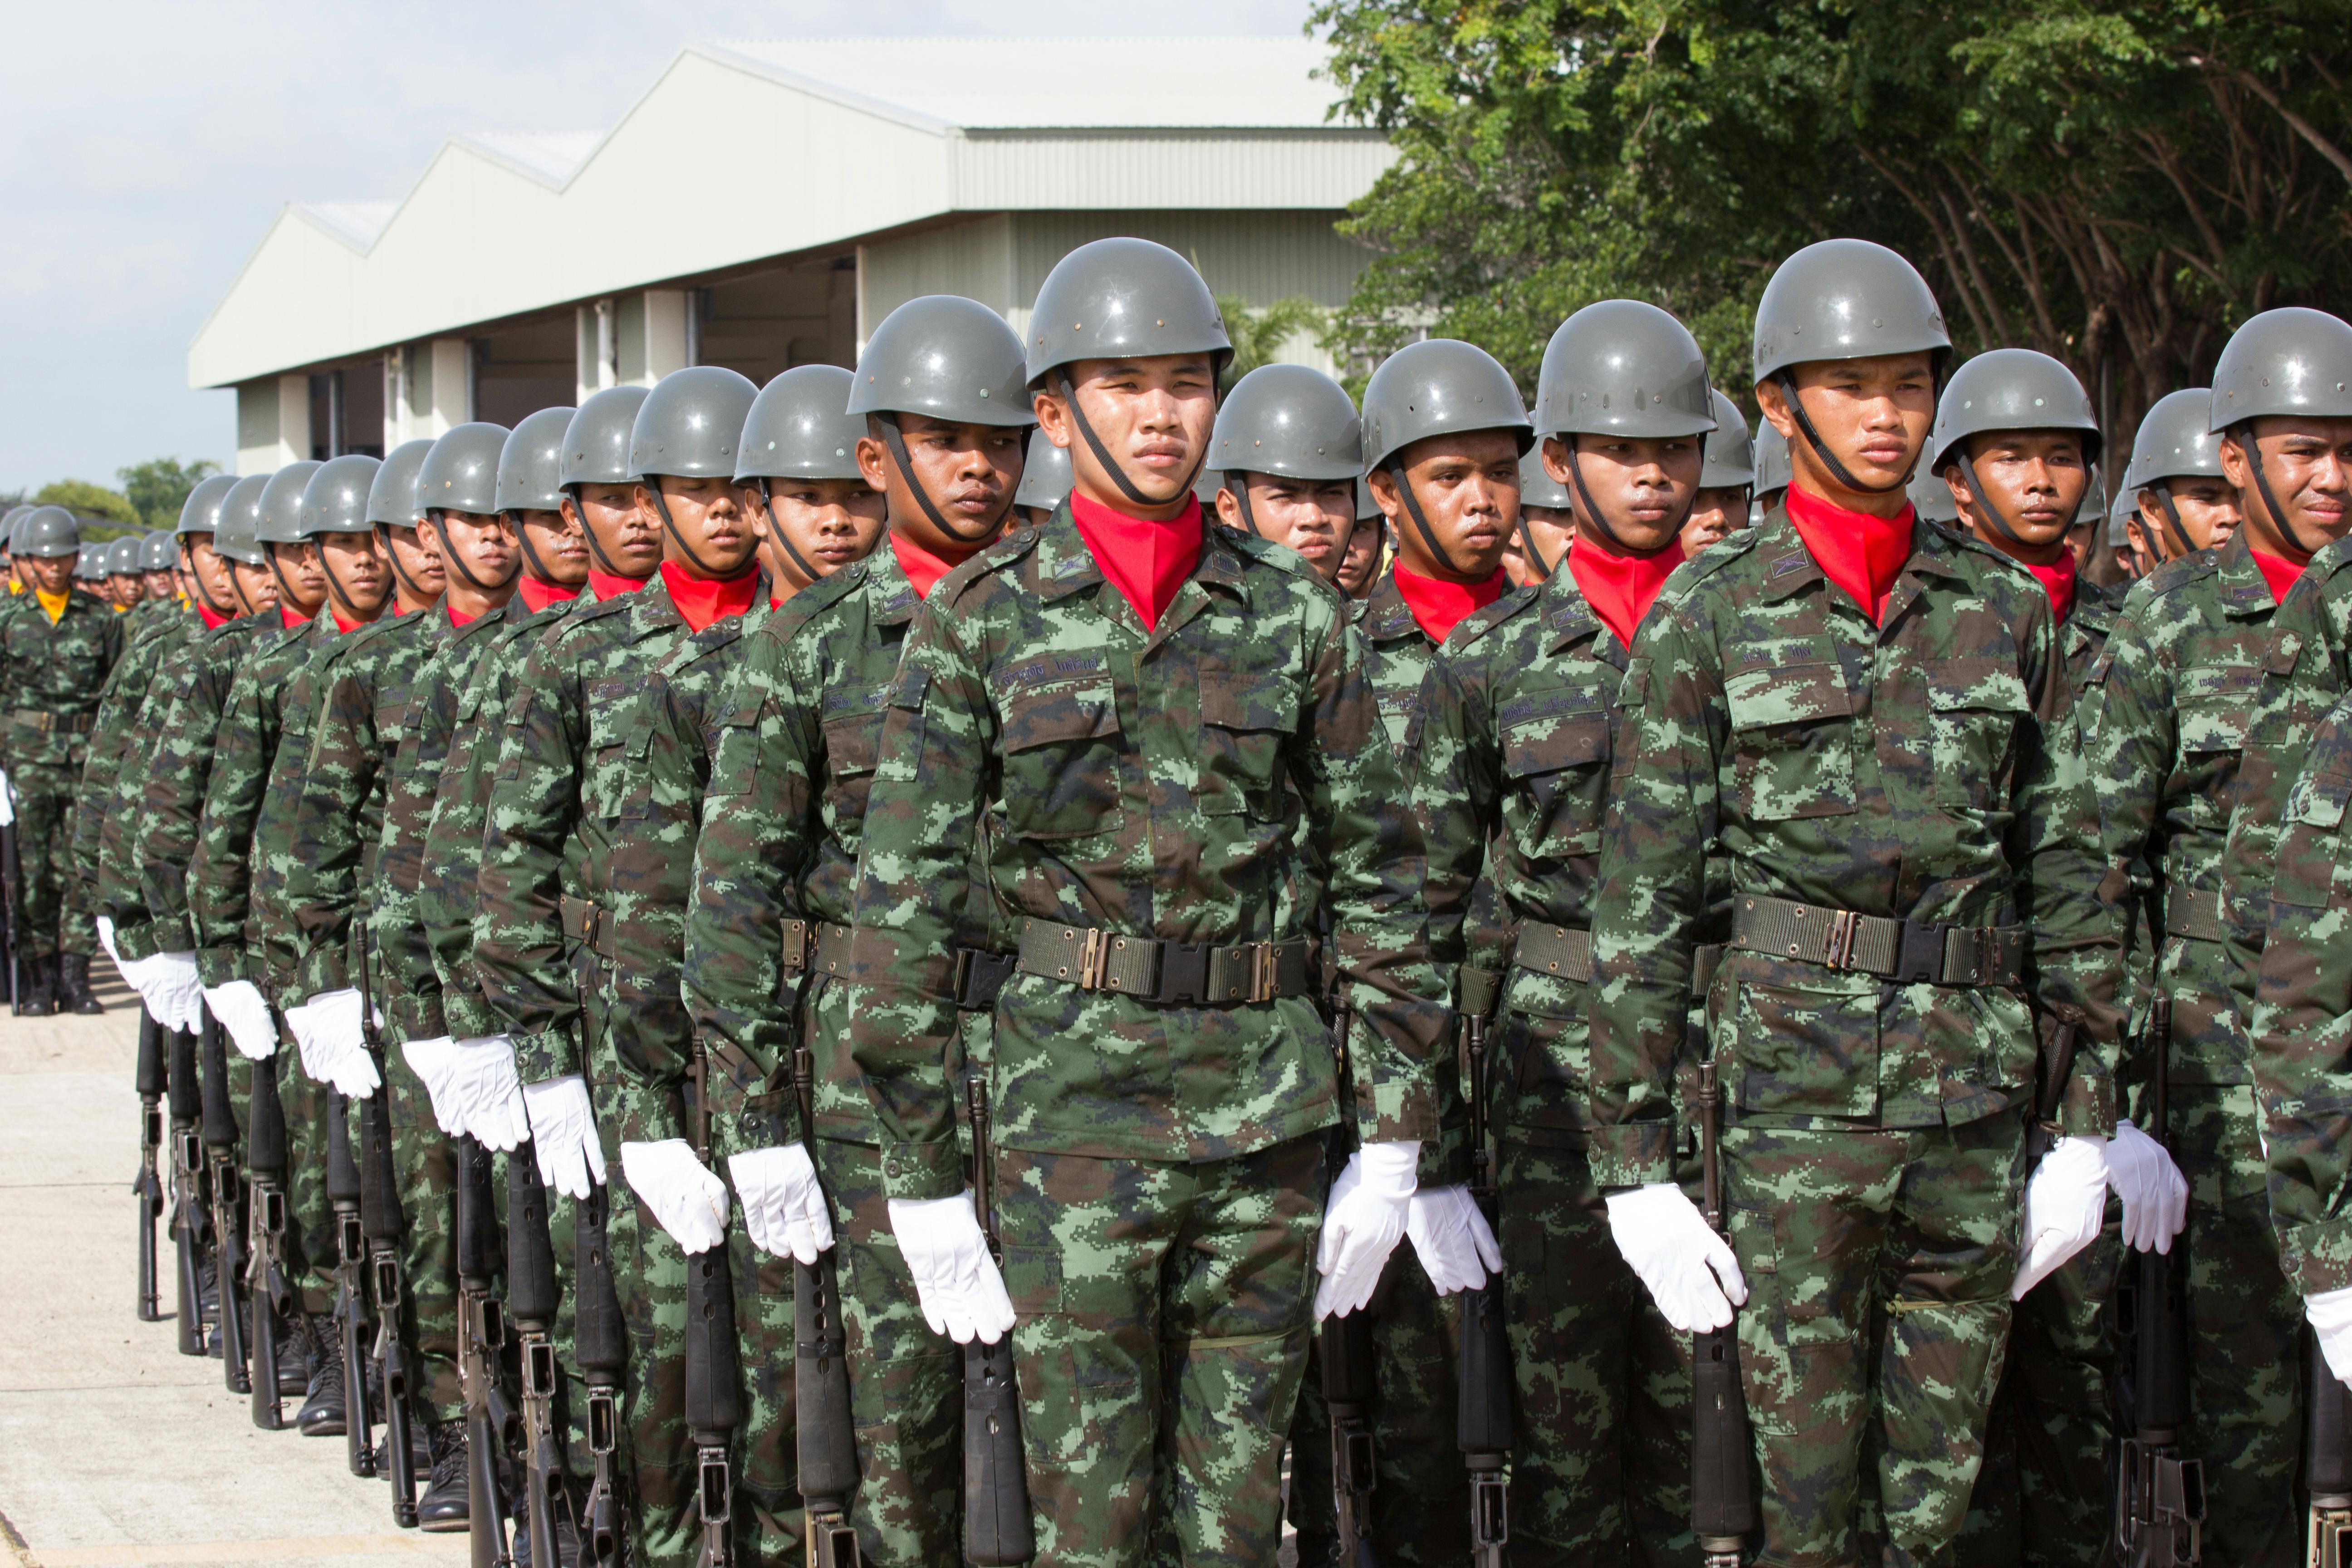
(1802, 951)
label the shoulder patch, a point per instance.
(1478, 623)
(1008, 548)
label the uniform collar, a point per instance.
(1789, 566)
(887, 583)
(1566, 617)
(1063, 564)
(2245, 592)
(1386, 615)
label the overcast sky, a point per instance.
(145, 147)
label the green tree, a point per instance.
(87, 499)
(158, 487)
(1259, 331)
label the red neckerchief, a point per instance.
(458, 622)
(1438, 606)
(604, 586)
(342, 626)
(1147, 560)
(292, 621)
(537, 595)
(924, 568)
(213, 619)
(704, 600)
(1620, 588)
(1859, 553)
(2277, 571)
(2057, 580)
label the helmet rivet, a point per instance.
(1159, 323)
(2037, 403)
(1876, 321)
(983, 391)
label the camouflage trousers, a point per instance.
(2045, 1494)
(1878, 1264)
(1165, 1313)
(424, 1167)
(311, 1245)
(55, 903)
(650, 1274)
(905, 1382)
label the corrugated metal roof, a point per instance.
(551, 157)
(356, 224)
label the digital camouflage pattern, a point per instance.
(122, 728)
(1927, 768)
(55, 674)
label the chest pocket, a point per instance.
(2215, 707)
(1061, 743)
(2309, 849)
(615, 785)
(1556, 755)
(1791, 732)
(853, 750)
(1245, 721)
(1976, 710)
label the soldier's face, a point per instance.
(1468, 488)
(1362, 560)
(2207, 509)
(256, 589)
(127, 588)
(830, 522)
(356, 571)
(1153, 415)
(557, 543)
(628, 536)
(301, 583)
(1312, 517)
(209, 569)
(1718, 509)
(2308, 466)
(1871, 414)
(159, 584)
(1641, 486)
(969, 471)
(483, 544)
(2034, 479)
(712, 535)
(50, 574)
(1555, 531)
(418, 557)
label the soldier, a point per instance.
(1288, 448)
(1772, 473)
(1162, 1079)
(1861, 727)
(58, 662)
(89, 571)
(817, 513)
(1368, 548)
(159, 563)
(1045, 480)
(2180, 501)
(1546, 525)
(8, 522)
(1726, 483)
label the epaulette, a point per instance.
(987, 561)
(1684, 579)
(1479, 622)
(2174, 575)
(1977, 548)
(2328, 560)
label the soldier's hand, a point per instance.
(961, 1292)
(1689, 1270)
(328, 1031)
(2155, 1193)
(245, 1014)
(686, 1200)
(482, 1076)
(2330, 1312)
(783, 1206)
(167, 984)
(563, 1135)
(105, 935)
(1452, 1238)
(1365, 1218)
(432, 1061)
(2065, 1202)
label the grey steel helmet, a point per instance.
(691, 423)
(2176, 441)
(797, 427)
(1622, 368)
(2094, 500)
(2011, 389)
(2292, 362)
(8, 522)
(946, 357)
(1119, 296)
(200, 513)
(123, 555)
(238, 536)
(48, 532)
(529, 461)
(2119, 516)
(391, 494)
(1845, 298)
(1368, 505)
(597, 442)
(461, 472)
(1771, 459)
(1439, 386)
(1537, 486)
(1931, 498)
(281, 504)
(91, 566)
(1288, 420)
(1045, 475)
(1730, 454)
(336, 498)
(159, 552)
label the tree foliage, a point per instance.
(2115, 182)
(1259, 332)
(158, 487)
(85, 499)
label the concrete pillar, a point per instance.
(273, 423)
(452, 386)
(596, 349)
(666, 340)
(428, 387)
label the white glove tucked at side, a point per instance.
(483, 1079)
(1690, 1271)
(329, 1029)
(245, 1014)
(2330, 1312)
(783, 1207)
(686, 1200)
(961, 1292)
(563, 1135)
(432, 1061)
(105, 926)
(1451, 1236)
(1363, 1220)
(2155, 1193)
(167, 984)
(2065, 1203)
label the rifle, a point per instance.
(2160, 1502)
(1722, 1492)
(482, 1334)
(147, 1187)
(532, 1302)
(2327, 1465)
(344, 1190)
(381, 1221)
(1483, 1415)
(826, 1433)
(714, 1377)
(600, 1344)
(998, 1532)
(188, 1219)
(266, 1290)
(12, 882)
(228, 1236)
(1344, 1349)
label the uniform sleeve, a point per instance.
(176, 785)
(411, 987)
(111, 736)
(534, 804)
(220, 871)
(323, 877)
(449, 874)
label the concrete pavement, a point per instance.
(113, 1447)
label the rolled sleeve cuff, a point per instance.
(420, 1017)
(764, 1123)
(2089, 1109)
(1638, 1154)
(216, 966)
(2317, 1256)
(467, 1017)
(324, 970)
(546, 1054)
(922, 1171)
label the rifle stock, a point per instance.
(1723, 1490)
(825, 1432)
(266, 1290)
(1482, 1414)
(228, 1233)
(147, 1187)
(714, 1377)
(187, 1197)
(344, 1191)
(1344, 1352)
(12, 882)
(381, 1223)
(2327, 1464)
(998, 1531)
(481, 1334)
(2161, 1510)
(601, 1347)
(532, 1302)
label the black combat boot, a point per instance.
(73, 983)
(41, 999)
(444, 1509)
(322, 1413)
(294, 1356)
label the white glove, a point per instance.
(433, 1061)
(1452, 1239)
(167, 983)
(245, 1014)
(2154, 1193)
(685, 1199)
(2066, 1201)
(563, 1135)
(2330, 1312)
(956, 1280)
(338, 1039)
(105, 925)
(7, 801)
(1362, 1222)
(783, 1206)
(482, 1076)
(1689, 1270)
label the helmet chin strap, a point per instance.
(1237, 486)
(1984, 503)
(783, 538)
(197, 579)
(286, 595)
(594, 548)
(335, 589)
(896, 443)
(392, 554)
(670, 527)
(2163, 488)
(1102, 453)
(1592, 511)
(531, 561)
(1838, 470)
(1395, 466)
(2245, 434)
(450, 561)
(1544, 568)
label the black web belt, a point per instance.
(1906, 952)
(816, 945)
(1171, 973)
(2194, 915)
(57, 723)
(1554, 950)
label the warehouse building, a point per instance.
(762, 205)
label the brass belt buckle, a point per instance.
(1261, 984)
(1839, 952)
(1094, 957)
